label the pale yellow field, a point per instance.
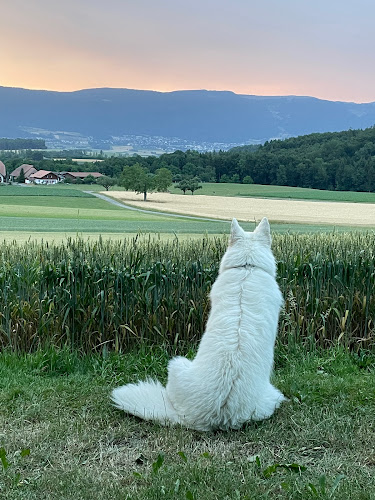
(250, 209)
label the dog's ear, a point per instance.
(236, 231)
(263, 231)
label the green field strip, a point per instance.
(282, 192)
(154, 225)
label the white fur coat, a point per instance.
(228, 382)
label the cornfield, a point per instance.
(116, 295)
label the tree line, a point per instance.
(343, 161)
(17, 144)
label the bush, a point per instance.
(247, 180)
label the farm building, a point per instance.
(45, 177)
(81, 175)
(28, 170)
(3, 173)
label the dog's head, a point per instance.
(262, 233)
(249, 248)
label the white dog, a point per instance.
(228, 382)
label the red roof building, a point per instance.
(45, 177)
(3, 173)
(28, 170)
(81, 175)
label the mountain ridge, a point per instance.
(198, 115)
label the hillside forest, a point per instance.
(342, 161)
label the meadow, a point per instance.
(279, 192)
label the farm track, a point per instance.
(167, 214)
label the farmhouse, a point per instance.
(3, 173)
(45, 177)
(28, 170)
(81, 175)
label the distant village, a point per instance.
(28, 174)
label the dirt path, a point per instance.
(106, 197)
(249, 209)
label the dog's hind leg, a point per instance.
(179, 381)
(178, 366)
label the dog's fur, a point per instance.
(228, 382)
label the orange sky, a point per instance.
(322, 49)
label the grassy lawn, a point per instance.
(260, 191)
(31, 190)
(61, 438)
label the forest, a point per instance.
(342, 161)
(17, 144)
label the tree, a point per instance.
(247, 180)
(163, 179)
(225, 178)
(183, 185)
(177, 178)
(21, 177)
(281, 176)
(138, 179)
(189, 184)
(189, 169)
(106, 182)
(194, 185)
(90, 179)
(37, 155)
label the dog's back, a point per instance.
(228, 382)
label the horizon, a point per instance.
(184, 90)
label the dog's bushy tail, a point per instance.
(147, 400)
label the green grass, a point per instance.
(61, 438)
(260, 191)
(93, 208)
(31, 190)
(78, 223)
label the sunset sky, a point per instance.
(321, 48)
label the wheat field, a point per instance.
(250, 209)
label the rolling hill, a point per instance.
(196, 115)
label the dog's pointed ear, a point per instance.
(236, 231)
(263, 231)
